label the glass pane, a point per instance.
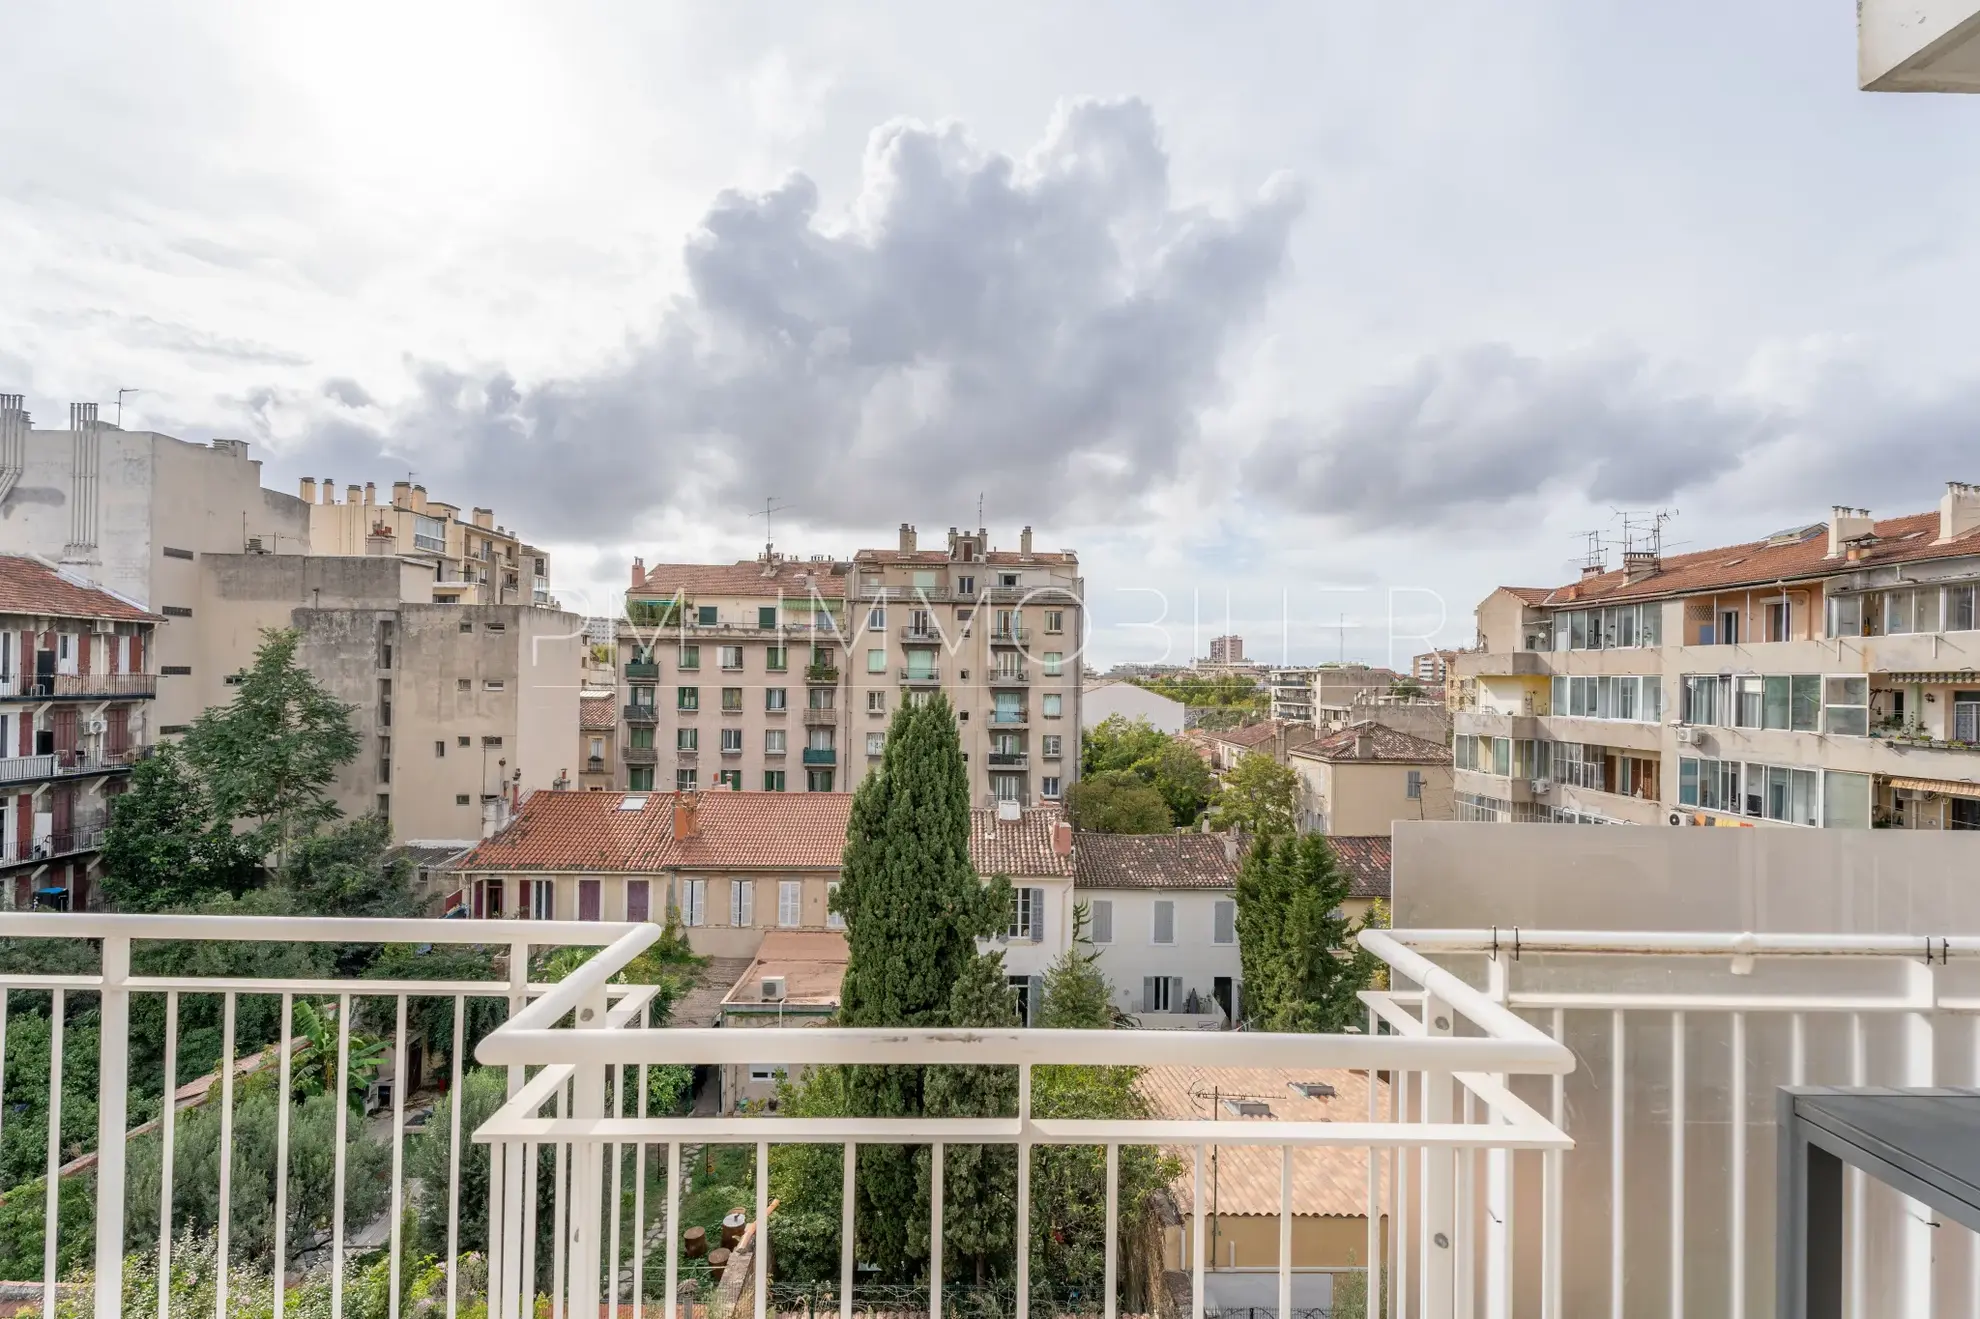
(1501, 755)
(1845, 800)
(1959, 609)
(1776, 702)
(1805, 701)
(1578, 630)
(1687, 781)
(1651, 625)
(1560, 703)
(1925, 610)
(1749, 703)
(1626, 689)
(1897, 613)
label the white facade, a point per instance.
(1101, 700)
(1918, 45)
(1173, 936)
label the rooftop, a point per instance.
(1002, 558)
(812, 964)
(34, 586)
(1368, 741)
(1020, 847)
(746, 577)
(598, 710)
(1331, 1183)
(1156, 861)
(1367, 859)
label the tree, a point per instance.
(1260, 796)
(914, 909)
(1117, 802)
(166, 845)
(1077, 995)
(313, 1070)
(1163, 762)
(979, 1236)
(1302, 971)
(268, 756)
(1118, 742)
(1407, 688)
(347, 870)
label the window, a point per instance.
(1846, 706)
(742, 903)
(1911, 611)
(1701, 699)
(1160, 993)
(876, 744)
(732, 741)
(876, 701)
(687, 739)
(773, 742)
(965, 586)
(598, 746)
(687, 698)
(790, 897)
(876, 661)
(834, 920)
(1048, 787)
(461, 741)
(684, 780)
(705, 616)
(1959, 608)
(497, 627)
(1055, 620)
(1052, 704)
(1007, 580)
(773, 780)
(1846, 616)
(539, 899)
(639, 738)
(440, 749)
(1223, 922)
(1805, 703)
(639, 778)
(690, 657)
(1049, 745)
(492, 685)
(818, 780)
(1966, 716)
(1746, 702)
(460, 799)
(876, 619)
(1845, 800)
(765, 1073)
(491, 741)
(732, 699)
(1054, 663)
(730, 657)
(694, 902)
(1100, 927)
(766, 617)
(1164, 930)
(777, 659)
(467, 627)
(1413, 786)
(821, 698)
(464, 684)
(775, 698)
(1025, 913)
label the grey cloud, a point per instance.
(1044, 331)
(348, 392)
(1485, 425)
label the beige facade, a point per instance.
(792, 983)
(475, 561)
(1842, 690)
(1350, 785)
(1316, 695)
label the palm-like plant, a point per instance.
(314, 1068)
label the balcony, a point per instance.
(685, 756)
(913, 635)
(81, 836)
(642, 714)
(639, 755)
(1009, 759)
(929, 677)
(642, 670)
(1010, 718)
(1009, 636)
(826, 718)
(79, 686)
(1010, 677)
(594, 765)
(821, 675)
(821, 756)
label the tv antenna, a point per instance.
(1643, 532)
(120, 404)
(770, 506)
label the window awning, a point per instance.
(1951, 787)
(1934, 675)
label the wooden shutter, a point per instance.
(1148, 993)
(587, 899)
(1038, 915)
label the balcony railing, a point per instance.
(1010, 678)
(642, 669)
(929, 677)
(1009, 759)
(85, 836)
(821, 674)
(639, 755)
(821, 756)
(79, 686)
(1009, 636)
(642, 714)
(1010, 718)
(916, 635)
(821, 718)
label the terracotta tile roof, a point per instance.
(1250, 735)
(1154, 861)
(812, 963)
(1327, 1182)
(598, 712)
(1761, 563)
(29, 586)
(1384, 744)
(793, 577)
(589, 832)
(1366, 859)
(1020, 847)
(1533, 595)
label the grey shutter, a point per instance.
(1038, 915)
(1148, 993)
(1175, 994)
(1102, 930)
(1035, 1000)
(1165, 922)
(1225, 922)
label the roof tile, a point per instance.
(1384, 744)
(30, 586)
(1154, 861)
(1366, 860)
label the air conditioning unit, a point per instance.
(95, 725)
(1677, 818)
(1542, 785)
(1686, 735)
(773, 989)
(1914, 794)
(105, 627)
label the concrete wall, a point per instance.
(241, 595)
(1365, 798)
(1103, 700)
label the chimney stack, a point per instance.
(308, 491)
(907, 539)
(638, 571)
(1959, 510)
(687, 823)
(1846, 524)
(1364, 745)
(353, 494)
(370, 493)
(402, 494)
(484, 518)
(419, 499)
(1024, 542)
(1062, 838)
(1593, 570)
(329, 489)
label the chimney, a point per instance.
(353, 494)
(401, 494)
(484, 518)
(687, 823)
(1062, 838)
(1230, 838)
(308, 491)
(419, 499)
(1593, 570)
(1024, 542)
(1959, 510)
(638, 571)
(329, 489)
(1364, 745)
(1639, 564)
(907, 539)
(370, 493)
(1846, 524)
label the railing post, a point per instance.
(112, 1118)
(586, 1221)
(1498, 1179)
(1439, 1178)
(1919, 1220)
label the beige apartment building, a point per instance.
(1325, 692)
(780, 674)
(475, 561)
(1827, 675)
(1361, 780)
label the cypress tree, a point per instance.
(914, 909)
(1302, 970)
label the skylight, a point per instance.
(1313, 1089)
(632, 803)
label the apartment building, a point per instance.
(1361, 780)
(598, 751)
(1326, 691)
(781, 674)
(475, 561)
(1432, 668)
(1163, 909)
(132, 512)
(1827, 675)
(76, 688)
(1227, 650)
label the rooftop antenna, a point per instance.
(120, 404)
(770, 505)
(1342, 629)
(1644, 532)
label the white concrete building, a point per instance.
(1918, 45)
(1164, 913)
(1103, 698)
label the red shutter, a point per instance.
(24, 813)
(117, 739)
(137, 666)
(84, 642)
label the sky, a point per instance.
(1312, 323)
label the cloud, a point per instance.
(1045, 331)
(1484, 425)
(347, 392)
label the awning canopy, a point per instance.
(1951, 787)
(1934, 676)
